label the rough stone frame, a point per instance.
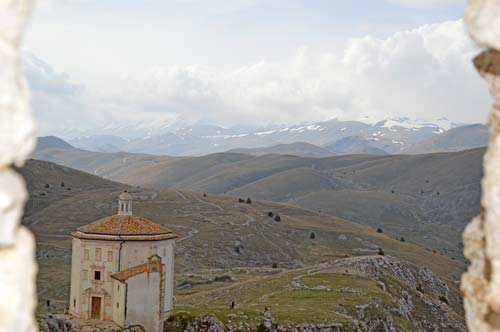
(17, 140)
(481, 283)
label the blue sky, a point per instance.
(194, 59)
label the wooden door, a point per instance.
(95, 309)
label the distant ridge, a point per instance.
(456, 139)
(300, 149)
(48, 142)
(392, 135)
(355, 145)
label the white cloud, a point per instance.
(426, 3)
(423, 73)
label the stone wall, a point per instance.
(17, 140)
(481, 283)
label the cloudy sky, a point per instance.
(255, 62)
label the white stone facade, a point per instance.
(123, 278)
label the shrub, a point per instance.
(379, 230)
(443, 299)
(277, 218)
(270, 214)
(312, 236)
(62, 183)
(204, 195)
(249, 200)
(47, 185)
(381, 252)
(275, 265)
(241, 200)
(402, 239)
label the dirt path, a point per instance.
(191, 232)
(209, 203)
(181, 195)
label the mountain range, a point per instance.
(390, 136)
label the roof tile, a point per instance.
(124, 225)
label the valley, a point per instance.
(426, 198)
(231, 249)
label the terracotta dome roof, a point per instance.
(124, 227)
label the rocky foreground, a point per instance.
(375, 293)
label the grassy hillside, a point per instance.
(427, 198)
(218, 235)
(107, 165)
(301, 149)
(362, 288)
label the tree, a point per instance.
(62, 183)
(241, 200)
(275, 265)
(270, 214)
(379, 230)
(204, 195)
(249, 200)
(277, 218)
(381, 252)
(402, 239)
(312, 236)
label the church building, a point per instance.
(122, 270)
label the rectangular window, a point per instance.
(98, 254)
(110, 256)
(85, 274)
(97, 275)
(86, 254)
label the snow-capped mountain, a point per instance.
(393, 135)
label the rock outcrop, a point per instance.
(17, 140)
(481, 283)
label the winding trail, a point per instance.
(191, 232)
(250, 220)
(209, 203)
(181, 195)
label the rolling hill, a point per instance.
(227, 248)
(104, 164)
(356, 145)
(428, 198)
(300, 149)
